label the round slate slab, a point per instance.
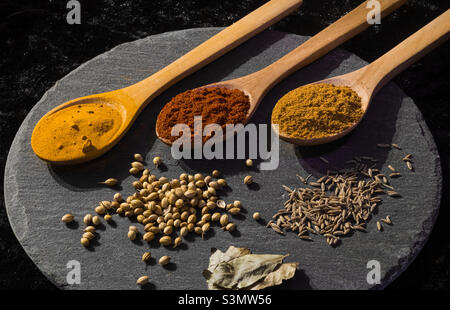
(38, 194)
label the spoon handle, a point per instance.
(213, 48)
(374, 76)
(337, 33)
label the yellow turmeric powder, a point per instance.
(75, 131)
(317, 111)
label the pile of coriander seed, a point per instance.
(169, 209)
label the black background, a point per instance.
(38, 47)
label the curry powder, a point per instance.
(317, 111)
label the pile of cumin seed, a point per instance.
(338, 203)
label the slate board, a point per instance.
(38, 194)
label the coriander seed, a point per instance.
(198, 177)
(215, 217)
(110, 182)
(142, 280)
(164, 260)
(118, 197)
(210, 205)
(88, 235)
(166, 240)
(129, 213)
(234, 211)
(67, 218)
(131, 235)
(100, 210)
(90, 229)
(211, 191)
(105, 204)
(230, 227)
(221, 204)
(157, 161)
(222, 182)
(96, 220)
(205, 227)
(200, 183)
(87, 219)
(133, 228)
(223, 220)
(167, 230)
(190, 194)
(138, 157)
(133, 170)
(184, 231)
(177, 242)
(137, 185)
(146, 256)
(84, 241)
(198, 230)
(148, 236)
(214, 185)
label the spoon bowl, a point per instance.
(111, 103)
(235, 84)
(367, 81)
(343, 80)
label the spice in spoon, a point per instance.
(76, 131)
(216, 105)
(317, 111)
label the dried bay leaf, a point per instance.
(218, 256)
(245, 270)
(276, 277)
(237, 268)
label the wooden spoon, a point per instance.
(130, 101)
(368, 80)
(256, 85)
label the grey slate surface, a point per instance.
(38, 194)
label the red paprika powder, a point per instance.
(216, 105)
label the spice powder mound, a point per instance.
(317, 111)
(75, 131)
(216, 105)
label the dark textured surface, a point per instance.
(29, 181)
(38, 48)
